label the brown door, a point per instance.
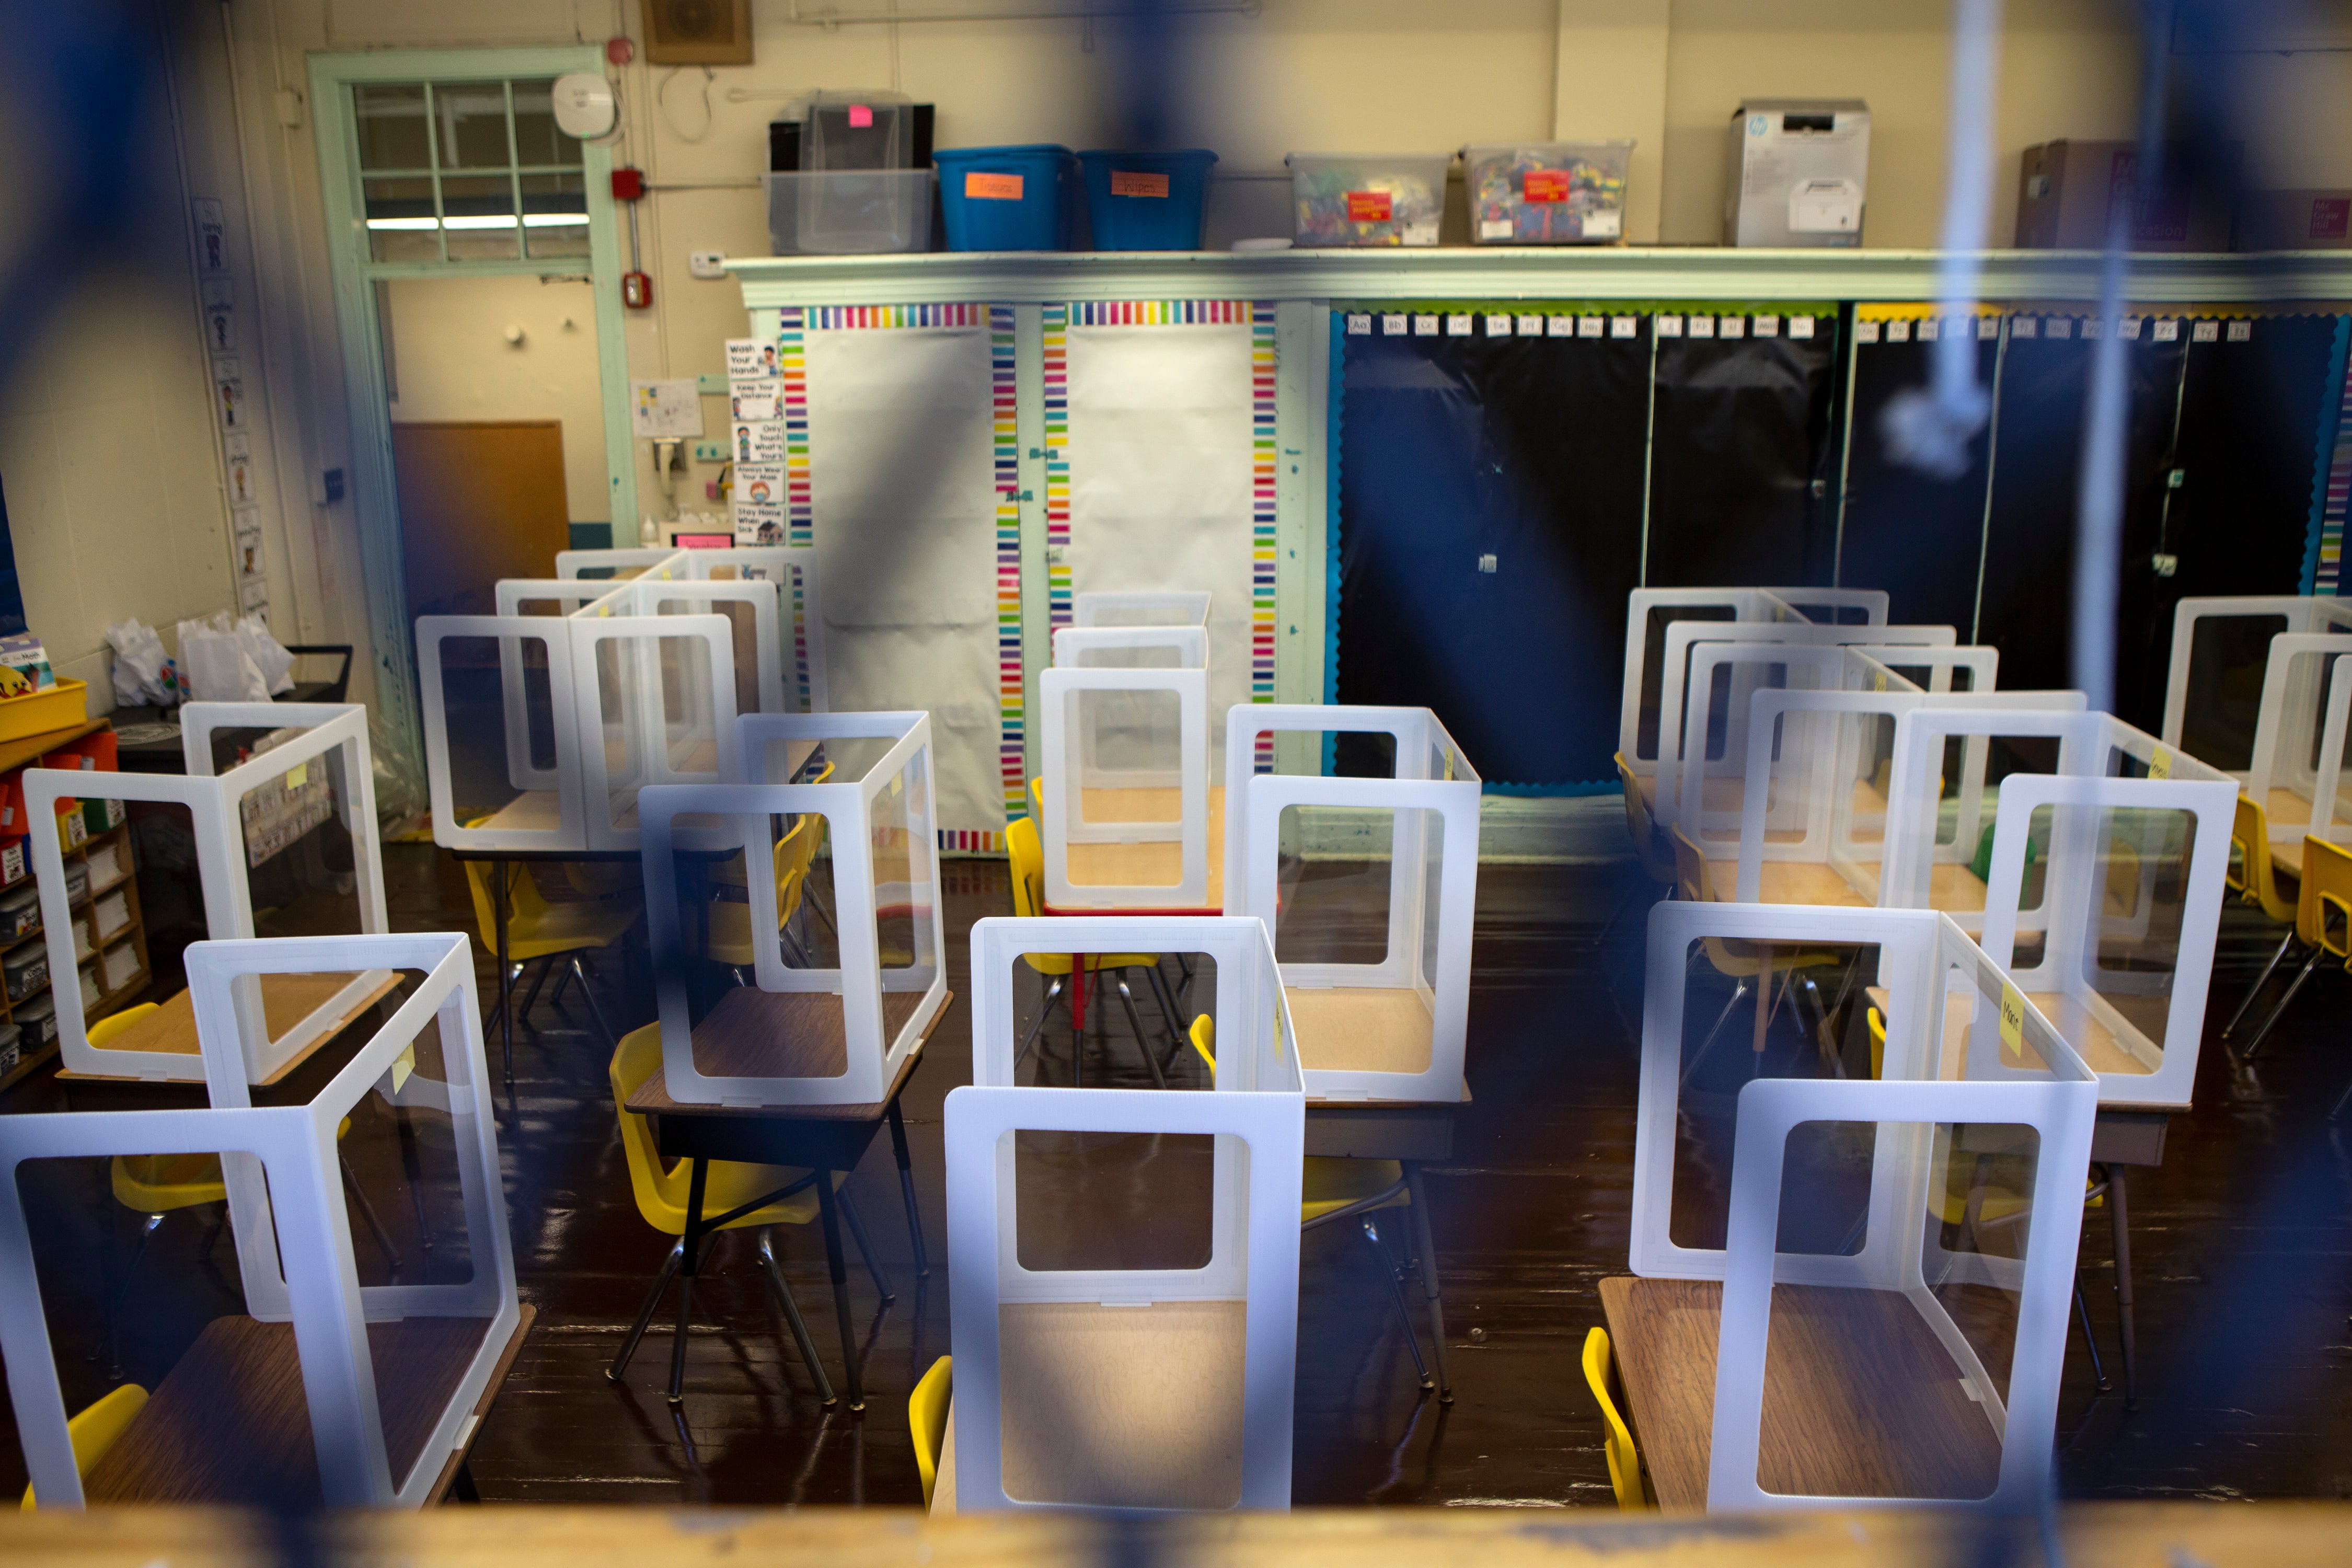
(480, 500)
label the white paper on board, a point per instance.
(666, 410)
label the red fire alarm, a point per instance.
(620, 50)
(636, 291)
(628, 185)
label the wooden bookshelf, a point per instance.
(132, 933)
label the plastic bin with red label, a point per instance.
(1396, 198)
(1548, 193)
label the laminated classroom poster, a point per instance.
(901, 486)
(1164, 449)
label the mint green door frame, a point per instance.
(375, 497)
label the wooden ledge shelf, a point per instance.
(1532, 272)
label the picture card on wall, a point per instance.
(750, 358)
(757, 441)
(759, 515)
(753, 400)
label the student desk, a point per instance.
(1860, 1398)
(798, 1034)
(1125, 864)
(285, 1001)
(229, 1424)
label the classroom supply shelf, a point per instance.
(1601, 273)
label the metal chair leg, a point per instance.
(2341, 1101)
(123, 1298)
(1738, 991)
(907, 1190)
(864, 1243)
(646, 1313)
(2284, 1003)
(562, 979)
(766, 1257)
(611, 1041)
(2119, 1220)
(2090, 1341)
(367, 1212)
(1420, 1226)
(1052, 995)
(531, 996)
(1167, 1010)
(1142, 1041)
(2256, 990)
(1396, 1295)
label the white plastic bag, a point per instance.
(143, 674)
(215, 665)
(268, 655)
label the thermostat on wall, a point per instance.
(707, 263)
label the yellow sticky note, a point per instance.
(1449, 767)
(402, 1066)
(298, 775)
(1878, 681)
(2159, 763)
(2012, 1020)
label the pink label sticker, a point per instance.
(861, 118)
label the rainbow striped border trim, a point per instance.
(1262, 516)
(1056, 320)
(836, 318)
(1164, 313)
(2326, 577)
(970, 841)
(791, 368)
(1011, 761)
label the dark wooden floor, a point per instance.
(2243, 1239)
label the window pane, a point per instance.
(478, 212)
(400, 226)
(389, 119)
(471, 117)
(555, 214)
(537, 138)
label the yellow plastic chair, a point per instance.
(1027, 852)
(95, 1429)
(1742, 961)
(1625, 1478)
(926, 1418)
(1332, 1189)
(731, 918)
(2254, 874)
(2323, 924)
(663, 1192)
(556, 933)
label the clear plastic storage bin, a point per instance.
(1548, 193)
(859, 130)
(860, 212)
(1368, 198)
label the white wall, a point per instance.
(451, 360)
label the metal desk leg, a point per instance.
(2119, 1216)
(506, 978)
(831, 1214)
(907, 1189)
(1429, 1276)
(690, 1266)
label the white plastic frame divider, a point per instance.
(1433, 779)
(561, 807)
(1254, 1256)
(1929, 968)
(1679, 700)
(2301, 615)
(1257, 1051)
(568, 593)
(1066, 771)
(1745, 605)
(848, 808)
(1072, 643)
(1816, 741)
(1749, 669)
(2072, 918)
(791, 571)
(2090, 745)
(336, 737)
(2297, 698)
(651, 754)
(659, 596)
(1169, 608)
(289, 1215)
(571, 563)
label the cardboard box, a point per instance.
(1798, 173)
(2066, 191)
(2295, 220)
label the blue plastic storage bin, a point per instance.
(1147, 201)
(1003, 198)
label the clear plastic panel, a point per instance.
(1895, 1351)
(742, 626)
(1331, 753)
(2101, 912)
(904, 894)
(297, 853)
(1753, 1010)
(498, 724)
(1129, 757)
(1654, 661)
(1334, 884)
(1114, 1200)
(2294, 782)
(1131, 1002)
(2227, 658)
